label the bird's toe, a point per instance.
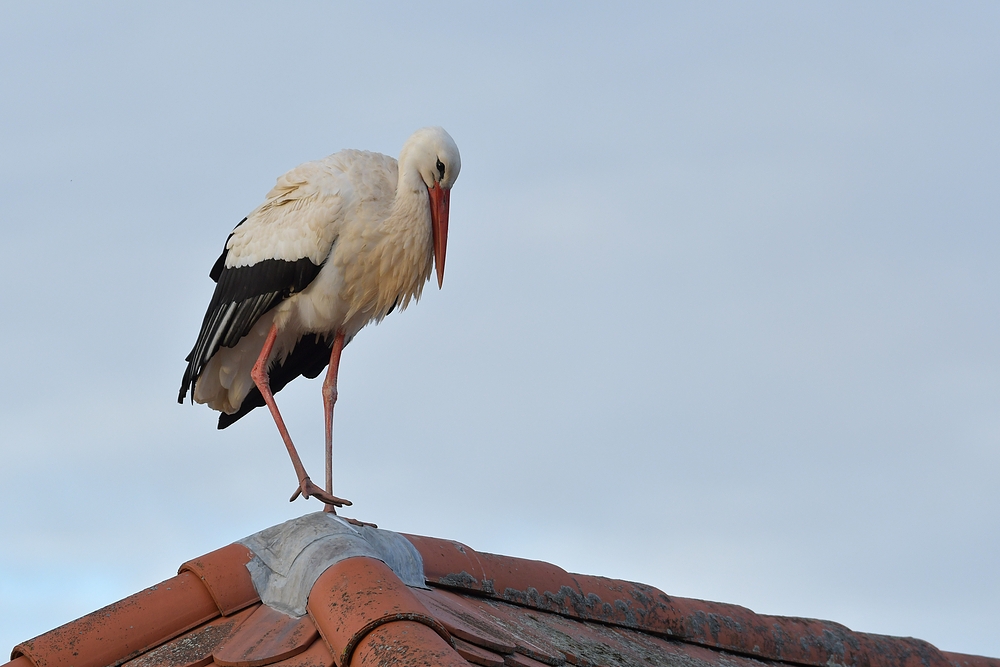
(309, 490)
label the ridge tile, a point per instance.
(226, 577)
(124, 629)
(355, 596)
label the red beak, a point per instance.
(440, 201)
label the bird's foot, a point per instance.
(330, 509)
(308, 490)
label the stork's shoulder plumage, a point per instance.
(309, 206)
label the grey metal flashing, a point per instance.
(290, 557)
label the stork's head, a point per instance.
(430, 159)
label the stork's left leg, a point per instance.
(329, 401)
(262, 378)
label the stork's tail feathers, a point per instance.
(309, 357)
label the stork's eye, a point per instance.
(440, 168)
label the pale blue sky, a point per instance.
(720, 316)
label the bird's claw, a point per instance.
(307, 490)
(359, 524)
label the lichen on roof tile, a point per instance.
(194, 648)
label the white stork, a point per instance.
(337, 243)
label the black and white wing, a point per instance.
(275, 252)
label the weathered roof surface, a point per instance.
(335, 594)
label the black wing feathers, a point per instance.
(242, 295)
(220, 263)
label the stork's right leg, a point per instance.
(261, 379)
(329, 401)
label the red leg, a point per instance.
(261, 379)
(329, 401)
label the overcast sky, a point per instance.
(720, 316)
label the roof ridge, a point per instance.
(287, 559)
(546, 587)
(362, 593)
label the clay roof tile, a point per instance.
(224, 573)
(449, 563)
(477, 655)
(267, 636)
(404, 644)
(194, 648)
(353, 597)
(466, 622)
(317, 655)
(123, 630)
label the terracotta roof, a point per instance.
(317, 591)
